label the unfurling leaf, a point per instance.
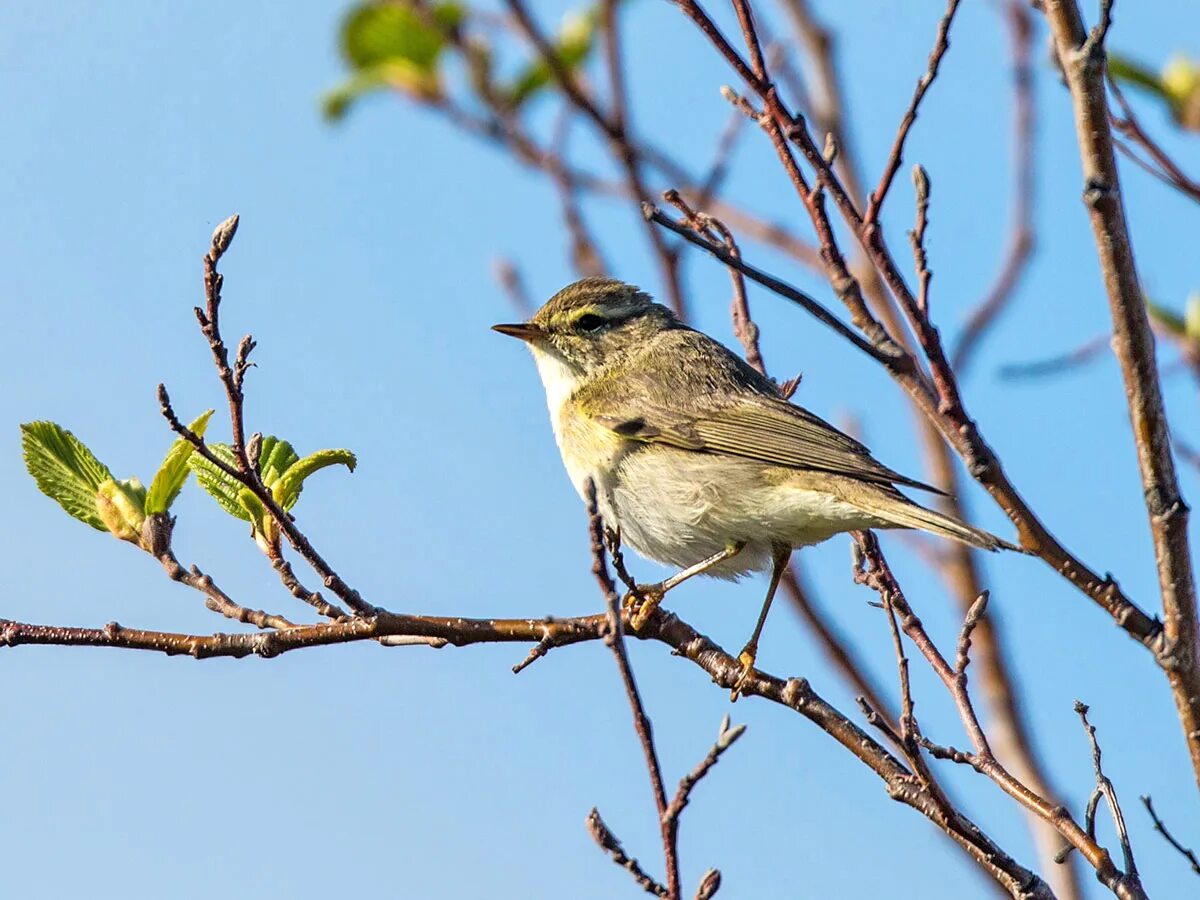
(287, 490)
(574, 43)
(275, 458)
(282, 471)
(121, 506)
(171, 475)
(64, 469)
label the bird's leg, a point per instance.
(651, 595)
(780, 556)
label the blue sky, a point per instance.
(363, 269)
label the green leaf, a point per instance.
(1166, 318)
(1178, 84)
(171, 475)
(64, 469)
(222, 487)
(1181, 84)
(255, 511)
(376, 32)
(275, 458)
(336, 103)
(287, 491)
(574, 43)
(1130, 71)
(393, 44)
(1191, 318)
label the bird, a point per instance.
(697, 460)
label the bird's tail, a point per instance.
(899, 512)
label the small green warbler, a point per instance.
(697, 459)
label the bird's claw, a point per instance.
(642, 603)
(746, 658)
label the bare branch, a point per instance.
(1185, 852)
(1019, 249)
(713, 229)
(608, 842)
(1082, 56)
(614, 637)
(1104, 787)
(940, 46)
(1160, 164)
(1081, 355)
(872, 569)
(726, 737)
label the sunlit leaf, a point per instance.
(1191, 318)
(574, 43)
(220, 486)
(287, 491)
(393, 45)
(1167, 319)
(1178, 84)
(338, 101)
(275, 458)
(1181, 83)
(64, 469)
(171, 475)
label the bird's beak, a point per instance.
(526, 331)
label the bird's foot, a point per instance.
(746, 658)
(642, 603)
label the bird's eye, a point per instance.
(590, 322)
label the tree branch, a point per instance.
(1082, 56)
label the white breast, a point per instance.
(559, 381)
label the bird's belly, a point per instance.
(679, 507)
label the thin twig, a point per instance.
(585, 252)
(713, 229)
(1161, 166)
(608, 842)
(1104, 787)
(797, 296)
(156, 540)
(615, 639)
(872, 569)
(940, 46)
(1056, 365)
(509, 277)
(231, 379)
(1020, 244)
(215, 598)
(1183, 851)
(294, 587)
(917, 237)
(614, 125)
(726, 737)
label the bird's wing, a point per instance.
(766, 429)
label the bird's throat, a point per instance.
(559, 379)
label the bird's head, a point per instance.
(592, 323)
